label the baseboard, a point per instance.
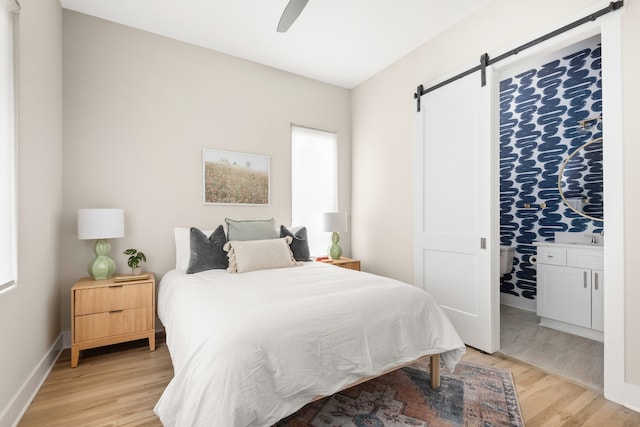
(572, 329)
(17, 407)
(518, 302)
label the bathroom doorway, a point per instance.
(550, 104)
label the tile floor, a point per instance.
(579, 359)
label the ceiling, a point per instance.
(341, 42)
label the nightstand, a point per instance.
(105, 312)
(351, 264)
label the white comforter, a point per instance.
(249, 349)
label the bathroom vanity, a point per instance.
(570, 288)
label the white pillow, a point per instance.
(183, 247)
(252, 255)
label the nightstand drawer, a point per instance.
(351, 264)
(112, 323)
(115, 297)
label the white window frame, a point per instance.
(8, 135)
(314, 182)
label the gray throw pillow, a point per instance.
(251, 229)
(207, 252)
(300, 243)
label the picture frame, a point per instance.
(235, 178)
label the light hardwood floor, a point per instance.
(119, 386)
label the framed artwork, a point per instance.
(231, 178)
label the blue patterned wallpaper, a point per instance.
(540, 111)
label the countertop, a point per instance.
(569, 245)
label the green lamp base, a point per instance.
(335, 251)
(102, 267)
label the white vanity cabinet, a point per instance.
(570, 288)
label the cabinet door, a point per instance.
(564, 294)
(597, 300)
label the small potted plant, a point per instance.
(134, 260)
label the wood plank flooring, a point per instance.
(112, 386)
(120, 385)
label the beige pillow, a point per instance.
(252, 255)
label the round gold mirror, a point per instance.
(580, 181)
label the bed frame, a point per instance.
(434, 369)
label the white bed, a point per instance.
(249, 349)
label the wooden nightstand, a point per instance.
(105, 312)
(352, 264)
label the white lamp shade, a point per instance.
(100, 223)
(334, 221)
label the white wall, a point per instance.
(139, 109)
(383, 130)
(30, 314)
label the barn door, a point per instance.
(456, 184)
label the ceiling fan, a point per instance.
(290, 14)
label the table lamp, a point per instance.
(335, 222)
(101, 224)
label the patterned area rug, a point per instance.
(472, 396)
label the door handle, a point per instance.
(483, 243)
(584, 279)
(595, 281)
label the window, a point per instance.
(7, 147)
(314, 182)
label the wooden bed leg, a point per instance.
(75, 355)
(435, 371)
(152, 341)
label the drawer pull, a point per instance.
(115, 311)
(584, 279)
(116, 286)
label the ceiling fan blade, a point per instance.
(290, 14)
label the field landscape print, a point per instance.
(235, 178)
